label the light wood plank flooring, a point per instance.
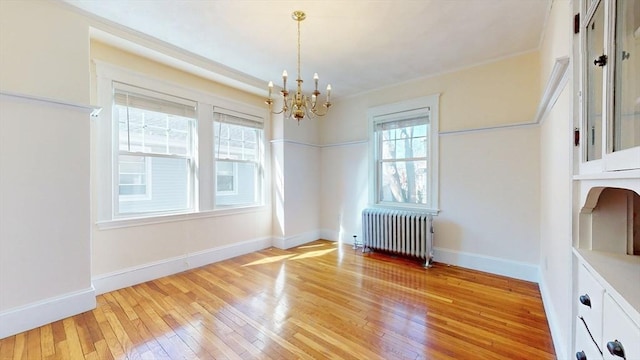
(318, 301)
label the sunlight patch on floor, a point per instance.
(270, 259)
(311, 254)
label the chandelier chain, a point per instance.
(299, 76)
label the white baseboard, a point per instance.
(27, 317)
(289, 242)
(558, 342)
(514, 269)
(151, 271)
(211, 256)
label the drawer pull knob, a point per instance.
(585, 300)
(580, 355)
(615, 348)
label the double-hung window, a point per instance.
(238, 154)
(404, 154)
(155, 158)
(165, 152)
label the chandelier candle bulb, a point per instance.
(284, 79)
(328, 92)
(270, 88)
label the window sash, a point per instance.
(244, 152)
(167, 152)
(397, 188)
(149, 131)
(167, 192)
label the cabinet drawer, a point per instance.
(584, 344)
(590, 296)
(618, 326)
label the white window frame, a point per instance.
(398, 111)
(104, 143)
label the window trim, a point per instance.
(398, 111)
(103, 143)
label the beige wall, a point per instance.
(489, 183)
(44, 165)
(499, 93)
(556, 165)
(127, 249)
(109, 54)
(43, 51)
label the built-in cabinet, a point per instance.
(606, 253)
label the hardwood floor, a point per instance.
(316, 301)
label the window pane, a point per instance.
(153, 132)
(403, 181)
(419, 147)
(132, 177)
(237, 183)
(225, 177)
(595, 48)
(236, 150)
(404, 143)
(166, 186)
(627, 103)
(236, 142)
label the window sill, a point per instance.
(160, 219)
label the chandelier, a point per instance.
(298, 105)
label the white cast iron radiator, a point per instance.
(401, 232)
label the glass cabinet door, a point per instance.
(595, 62)
(626, 122)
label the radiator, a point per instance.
(406, 233)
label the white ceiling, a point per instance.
(355, 45)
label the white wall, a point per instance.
(296, 178)
(556, 151)
(44, 166)
(489, 183)
(344, 191)
(489, 199)
(133, 253)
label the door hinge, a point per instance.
(576, 23)
(576, 137)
